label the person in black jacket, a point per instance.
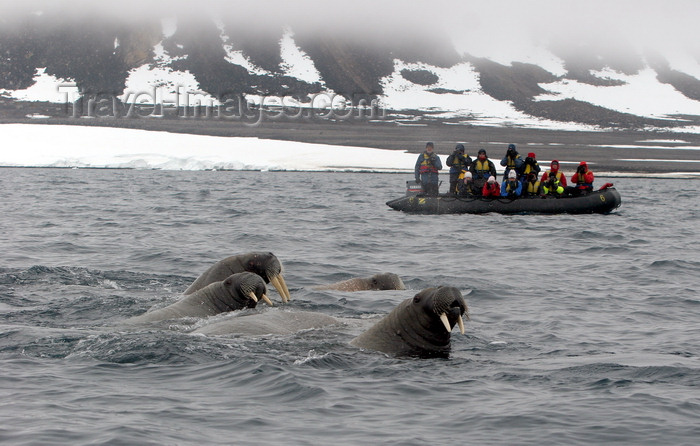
(482, 168)
(459, 162)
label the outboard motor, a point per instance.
(413, 188)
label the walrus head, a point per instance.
(419, 326)
(244, 290)
(441, 309)
(268, 266)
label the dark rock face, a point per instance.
(96, 53)
(517, 83)
(420, 77)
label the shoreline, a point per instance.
(621, 153)
(599, 174)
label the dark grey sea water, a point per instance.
(584, 329)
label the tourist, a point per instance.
(581, 181)
(511, 187)
(482, 168)
(491, 188)
(531, 187)
(465, 187)
(554, 170)
(552, 186)
(529, 166)
(512, 161)
(427, 166)
(458, 162)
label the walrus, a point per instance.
(264, 264)
(273, 321)
(237, 291)
(419, 326)
(384, 281)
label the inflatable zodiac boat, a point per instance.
(601, 201)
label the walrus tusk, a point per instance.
(286, 290)
(461, 324)
(281, 287)
(445, 322)
(252, 296)
(267, 300)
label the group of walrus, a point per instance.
(418, 326)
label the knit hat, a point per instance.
(554, 162)
(492, 179)
(511, 174)
(511, 146)
(531, 155)
(482, 151)
(460, 147)
(468, 175)
(429, 144)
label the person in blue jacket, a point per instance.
(511, 187)
(512, 161)
(427, 166)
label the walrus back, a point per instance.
(273, 322)
(216, 273)
(384, 336)
(198, 304)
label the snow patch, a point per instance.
(236, 57)
(46, 88)
(157, 83)
(641, 94)
(295, 62)
(103, 147)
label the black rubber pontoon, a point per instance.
(597, 202)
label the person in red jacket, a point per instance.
(582, 179)
(554, 170)
(491, 188)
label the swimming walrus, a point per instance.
(238, 291)
(384, 281)
(419, 326)
(264, 264)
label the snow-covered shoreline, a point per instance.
(72, 146)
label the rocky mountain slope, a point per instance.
(222, 57)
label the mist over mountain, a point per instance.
(631, 69)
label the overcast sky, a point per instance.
(476, 26)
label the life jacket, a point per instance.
(528, 168)
(557, 175)
(482, 168)
(426, 166)
(510, 164)
(532, 188)
(581, 181)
